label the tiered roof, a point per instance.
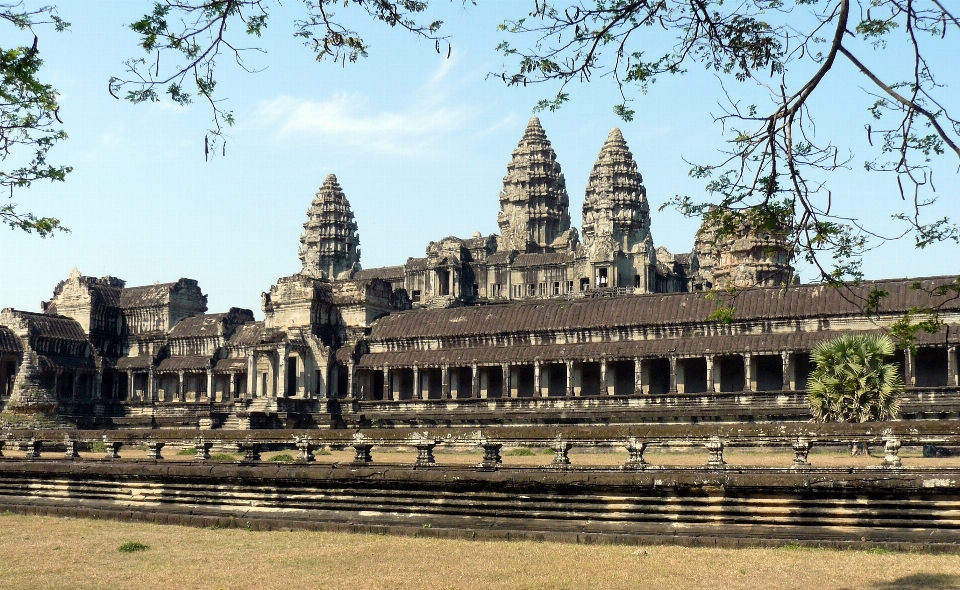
(329, 245)
(534, 205)
(615, 204)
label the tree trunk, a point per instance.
(859, 449)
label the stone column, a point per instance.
(637, 375)
(74, 387)
(130, 389)
(251, 376)
(506, 380)
(710, 381)
(97, 385)
(444, 382)
(281, 376)
(569, 365)
(351, 379)
(577, 380)
(387, 384)
(456, 383)
(909, 379)
(151, 386)
(537, 384)
(210, 396)
(953, 378)
(485, 383)
(673, 374)
(115, 386)
(514, 382)
(181, 394)
(417, 391)
(748, 373)
(788, 377)
(56, 381)
(396, 390)
(474, 381)
(604, 389)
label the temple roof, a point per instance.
(795, 302)
(386, 273)
(9, 342)
(625, 350)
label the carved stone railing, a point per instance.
(795, 439)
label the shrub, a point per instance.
(520, 452)
(98, 447)
(322, 452)
(133, 547)
(283, 457)
(187, 451)
(222, 457)
(852, 382)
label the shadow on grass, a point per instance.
(922, 582)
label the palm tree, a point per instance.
(852, 381)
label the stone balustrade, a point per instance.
(795, 439)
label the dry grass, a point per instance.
(57, 553)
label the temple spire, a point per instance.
(329, 244)
(615, 208)
(534, 206)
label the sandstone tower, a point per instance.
(534, 206)
(616, 216)
(745, 258)
(29, 394)
(330, 243)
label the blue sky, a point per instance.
(420, 144)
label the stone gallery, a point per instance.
(537, 324)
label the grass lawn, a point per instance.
(54, 553)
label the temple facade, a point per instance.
(541, 318)
(538, 255)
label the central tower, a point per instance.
(534, 206)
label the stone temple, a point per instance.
(537, 324)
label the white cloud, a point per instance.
(348, 119)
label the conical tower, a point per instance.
(330, 243)
(615, 208)
(29, 395)
(534, 206)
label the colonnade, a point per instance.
(710, 373)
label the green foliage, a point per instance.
(724, 315)
(917, 319)
(98, 447)
(322, 452)
(29, 118)
(282, 457)
(188, 451)
(520, 452)
(132, 547)
(222, 457)
(852, 380)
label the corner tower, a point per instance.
(534, 206)
(330, 244)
